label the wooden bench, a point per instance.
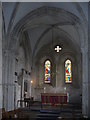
(11, 114)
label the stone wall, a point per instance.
(1, 95)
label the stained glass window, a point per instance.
(47, 71)
(68, 71)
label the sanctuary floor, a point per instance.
(35, 112)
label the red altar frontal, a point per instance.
(54, 98)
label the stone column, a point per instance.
(5, 79)
(89, 60)
(0, 59)
(85, 82)
(28, 86)
(89, 83)
(9, 78)
(22, 85)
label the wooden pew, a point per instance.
(11, 114)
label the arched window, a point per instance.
(47, 71)
(68, 71)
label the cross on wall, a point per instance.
(58, 48)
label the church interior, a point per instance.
(45, 60)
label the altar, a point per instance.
(54, 98)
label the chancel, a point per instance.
(45, 58)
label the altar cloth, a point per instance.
(54, 98)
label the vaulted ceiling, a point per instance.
(40, 27)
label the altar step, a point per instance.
(47, 116)
(50, 111)
(63, 114)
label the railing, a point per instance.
(28, 102)
(25, 103)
